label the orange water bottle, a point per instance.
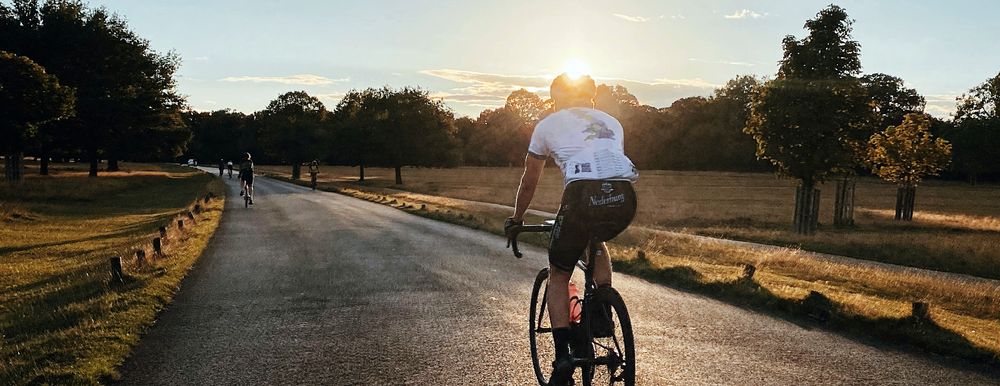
(575, 304)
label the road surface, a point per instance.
(317, 288)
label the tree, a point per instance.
(904, 155)
(125, 97)
(29, 97)
(807, 121)
(976, 132)
(354, 139)
(293, 129)
(890, 100)
(220, 134)
(412, 129)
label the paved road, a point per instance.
(317, 288)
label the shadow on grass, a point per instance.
(817, 310)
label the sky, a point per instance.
(472, 54)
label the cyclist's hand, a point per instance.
(509, 225)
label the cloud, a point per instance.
(334, 97)
(941, 105)
(745, 13)
(485, 90)
(200, 58)
(635, 19)
(300, 79)
(745, 64)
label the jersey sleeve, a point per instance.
(538, 148)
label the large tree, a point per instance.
(807, 121)
(293, 129)
(904, 155)
(126, 102)
(976, 131)
(29, 97)
(353, 132)
(412, 129)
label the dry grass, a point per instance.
(61, 319)
(871, 300)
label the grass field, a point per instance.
(956, 227)
(62, 320)
(868, 301)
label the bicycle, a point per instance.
(604, 357)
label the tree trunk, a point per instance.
(905, 202)
(43, 168)
(296, 170)
(361, 174)
(399, 175)
(806, 208)
(843, 209)
(14, 166)
(92, 153)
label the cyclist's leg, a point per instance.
(602, 266)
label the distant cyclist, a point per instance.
(246, 177)
(598, 198)
(222, 166)
(229, 167)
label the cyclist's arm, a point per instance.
(529, 181)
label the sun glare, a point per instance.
(576, 68)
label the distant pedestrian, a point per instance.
(222, 166)
(313, 171)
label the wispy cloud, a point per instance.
(300, 79)
(744, 14)
(330, 98)
(485, 90)
(731, 63)
(634, 19)
(941, 105)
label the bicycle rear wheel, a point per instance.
(614, 355)
(540, 330)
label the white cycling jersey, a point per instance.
(586, 143)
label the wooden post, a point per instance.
(921, 311)
(197, 208)
(180, 224)
(140, 256)
(641, 255)
(117, 276)
(163, 231)
(157, 246)
(748, 271)
(190, 215)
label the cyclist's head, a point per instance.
(572, 92)
(246, 156)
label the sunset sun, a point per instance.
(576, 68)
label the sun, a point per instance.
(576, 68)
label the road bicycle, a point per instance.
(603, 346)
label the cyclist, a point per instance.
(313, 171)
(222, 166)
(229, 167)
(598, 198)
(246, 177)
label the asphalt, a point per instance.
(317, 288)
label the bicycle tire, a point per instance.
(541, 359)
(621, 346)
(246, 200)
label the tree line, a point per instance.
(77, 83)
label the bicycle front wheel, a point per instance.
(540, 330)
(614, 346)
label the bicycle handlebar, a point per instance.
(518, 229)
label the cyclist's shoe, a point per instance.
(241, 193)
(562, 372)
(251, 201)
(601, 325)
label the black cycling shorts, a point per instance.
(248, 177)
(590, 209)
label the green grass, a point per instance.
(62, 320)
(868, 303)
